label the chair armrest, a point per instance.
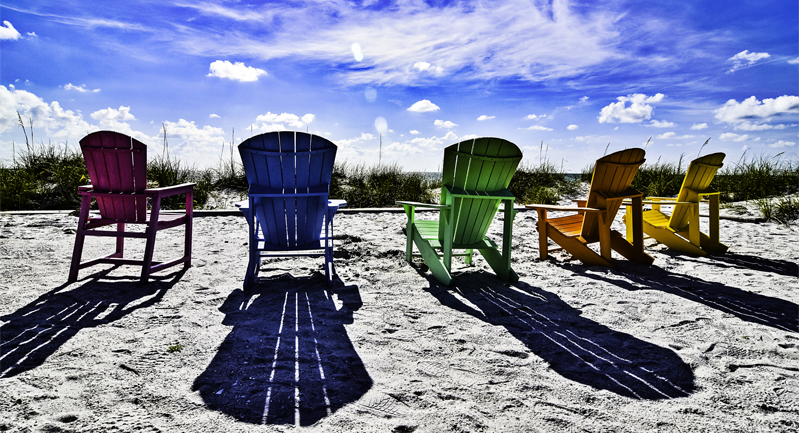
(705, 192)
(628, 193)
(425, 205)
(502, 194)
(562, 208)
(85, 188)
(171, 190)
(580, 202)
(243, 204)
(337, 203)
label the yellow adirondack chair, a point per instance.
(681, 230)
(611, 184)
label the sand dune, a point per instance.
(688, 344)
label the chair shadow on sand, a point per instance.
(577, 348)
(747, 306)
(37, 330)
(288, 359)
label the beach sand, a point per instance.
(688, 344)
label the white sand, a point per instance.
(686, 345)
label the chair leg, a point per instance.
(120, 241)
(77, 251)
(187, 243)
(542, 226)
(468, 257)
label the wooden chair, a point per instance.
(610, 185)
(681, 230)
(117, 166)
(289, 175)
(474, 182)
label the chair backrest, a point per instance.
(480, 164)
(612, 175)
(292, 162)
(698, 177)
(117, 163)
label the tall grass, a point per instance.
(379, 185)
(757, 178)
(543, 183)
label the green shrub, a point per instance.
(379, 185)
(542, 184)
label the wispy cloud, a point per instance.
(698, 126)
(730, 136)
(292, 120)
(82, 88)
(781, 143)
(660, 124)
(746, 59)
(538, 128)
(414, 37)
(485, 117)
(235, 71)
(444, 124)
(572, 127)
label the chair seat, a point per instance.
(655, 218)
(569, 226)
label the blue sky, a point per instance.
(568, 77)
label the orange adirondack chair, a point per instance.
(611, 182)
(117, 166)
(681, 230)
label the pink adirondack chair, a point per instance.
(117, 166)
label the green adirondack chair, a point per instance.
(474, 181)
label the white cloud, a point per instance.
(213, 116)
(535, 117)
(572, 127)
(637, 111)
(730, 136)
(795, 61)
(538, 128)
(672, 135)
(235, 71)
(485, 117)
(8, 32)
(32, 34)
(658, 124)
(747, 126)
(699, 126)
(450, 135)
(414, 132)
(583, 98)
(745, 59)
(781, 143)
(423, 106)
(82, 88)
(351, 141)
(468, 137)
(427, 67)
(57, 122)
(751, 108)
(291, 119)
(444, 124)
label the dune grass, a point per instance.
(46, 176)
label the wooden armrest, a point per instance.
(705, 192)
(562, 208)
(425, 205)
(672, 203)
(628, 193)
(337, 203)
(171, 190)
(501, 194)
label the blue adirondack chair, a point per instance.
(289, 175)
